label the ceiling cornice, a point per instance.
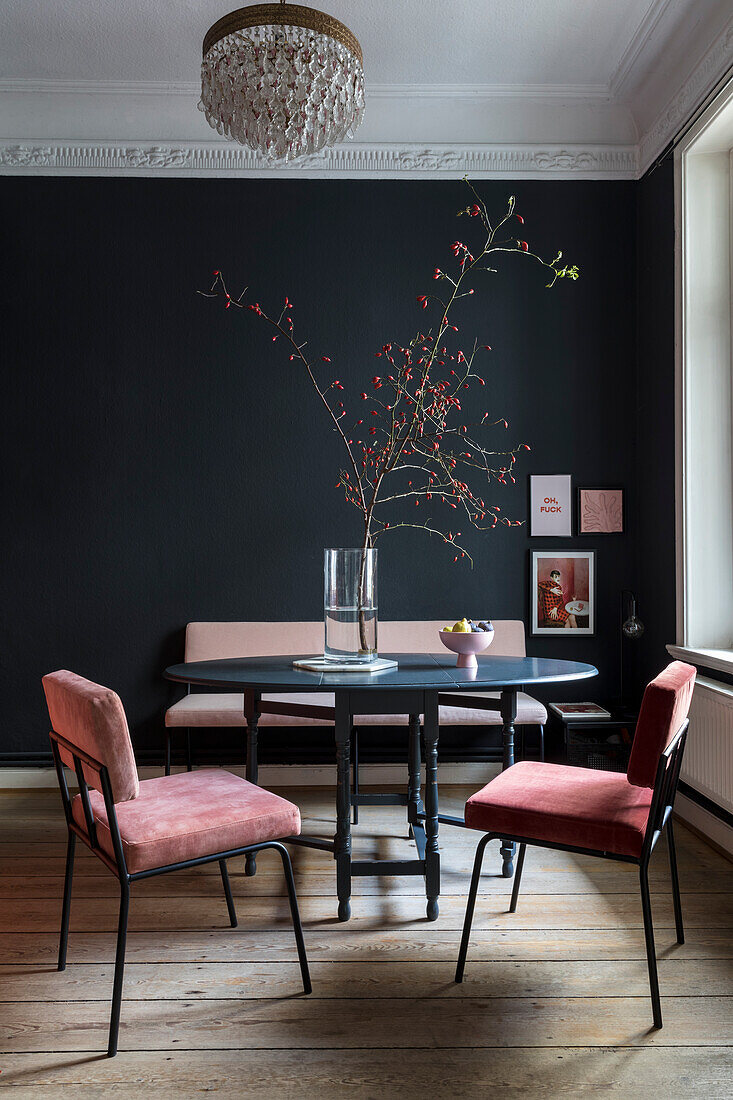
(706, 75)
(490, 91)
(630, 61)
(501, 130)
(192, 88)
(353, 160)
(32, 86)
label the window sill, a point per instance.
(719, 659)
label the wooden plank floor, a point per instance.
(554, 1002)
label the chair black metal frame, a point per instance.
(660, 819)
(118, 868)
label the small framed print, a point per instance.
(600, 511)
(551, 506)
(563, 592)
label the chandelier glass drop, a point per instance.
(284, 79)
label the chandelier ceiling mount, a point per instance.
(284, 79)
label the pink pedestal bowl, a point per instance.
(466, 645)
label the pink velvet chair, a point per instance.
(139, 829)
(606, 814)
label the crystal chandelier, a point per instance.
(286, 80)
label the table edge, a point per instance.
(586, 672)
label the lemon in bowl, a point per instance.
(467, 641)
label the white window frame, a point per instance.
(704, 625)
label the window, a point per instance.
(704, 203)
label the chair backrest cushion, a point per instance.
(216, 641)
(92, 718)
(664, 708)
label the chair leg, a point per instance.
(651, 955)
(228, 892)
(517, 878)
(189, 758)
(167, 751)
(252, 774)
(470, 905)
(355, 765)
(66, 909)
(675, 883)
(114, 1024)
(542, 743)
(295, 914)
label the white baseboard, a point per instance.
(705, 824)
(282, 775)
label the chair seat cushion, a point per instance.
(181, 817)
(227, 709)
(563, 805)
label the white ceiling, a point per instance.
(582, 72)
(561, 44)
(556, 43)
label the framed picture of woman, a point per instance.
(563, 592)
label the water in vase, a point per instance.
(350, 635)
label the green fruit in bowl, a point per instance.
(447, 629)
(462, 627)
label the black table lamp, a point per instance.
(631, 627)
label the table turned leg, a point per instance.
(342, 839)
(252, 714)
(508, 716)
(432, 854)
(415, 808)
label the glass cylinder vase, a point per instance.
(350, 605)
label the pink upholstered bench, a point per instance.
(212, 641)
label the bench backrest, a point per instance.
(214, 641)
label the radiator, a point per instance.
(708, 761)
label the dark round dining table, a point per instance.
(419, 685)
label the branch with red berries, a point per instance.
(407, 446)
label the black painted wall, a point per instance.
(655, 417)
(163, 461)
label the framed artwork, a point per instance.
(600, 511)
(563, 592)
(551, 506)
